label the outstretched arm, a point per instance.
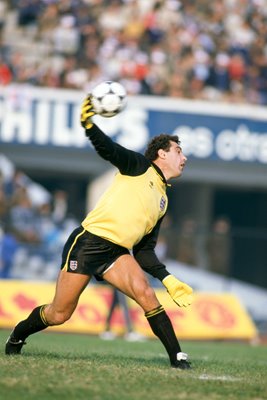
(127, 161)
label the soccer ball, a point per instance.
(108, 98)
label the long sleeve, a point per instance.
(144, 253)
(127, 161)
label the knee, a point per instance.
(57, 317)
(148, 292)
(146, 295)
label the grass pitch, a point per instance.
(57, 366)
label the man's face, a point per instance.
(175, 160)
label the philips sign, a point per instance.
(228, 145)
(45, 117)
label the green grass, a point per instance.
(72, 367)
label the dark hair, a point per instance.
(161, 141)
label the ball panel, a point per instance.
(101, 90)
(111, 102)
(108, 98)
(118, 89)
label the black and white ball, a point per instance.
(108, 98)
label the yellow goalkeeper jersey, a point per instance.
(130, 212)
(131, 207)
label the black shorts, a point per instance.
(88, 254)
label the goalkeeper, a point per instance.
(127, 217)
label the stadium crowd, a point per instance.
(179, 48)
(34, 225)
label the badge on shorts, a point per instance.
(73, 265)
(162, 203)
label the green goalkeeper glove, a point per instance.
(179, 291)
(87, 113)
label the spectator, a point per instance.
(207, 50)
(219, 247)
(60, 207)
(28, 11)
(187, 242)
(66, 36)
(3, 204)
(8, 248)
(23, 219)
(33, 226)
(5, 73)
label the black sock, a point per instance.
(162, 327)
(34, 323)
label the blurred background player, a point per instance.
(119, 300)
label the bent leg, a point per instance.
(128, 277)
(68, 290)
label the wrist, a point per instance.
(165, 276)
(167, 280)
